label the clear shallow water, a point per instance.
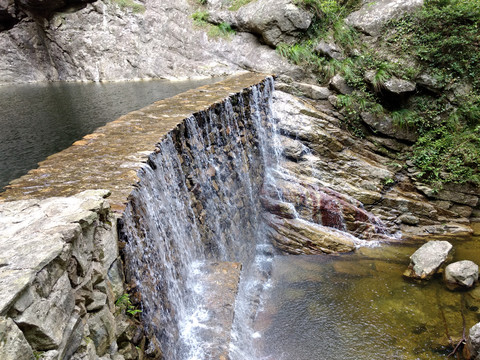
(359, 307)
(37, 120)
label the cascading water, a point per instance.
(197, 201)
(198, 204)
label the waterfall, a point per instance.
(197, 247)
(197, 203)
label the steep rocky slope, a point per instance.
(122, 40)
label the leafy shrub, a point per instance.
(124, 302)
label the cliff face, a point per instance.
(113, 40)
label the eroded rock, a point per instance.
(295, 236)
(312, 91)
(428, 259)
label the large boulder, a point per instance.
(427, 260)
(461, 275)
(373, 15)
(393, 86)
(386, 126)
(276, 21)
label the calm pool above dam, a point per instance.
(38, 120)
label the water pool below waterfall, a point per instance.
(38, 120)
(357, 306)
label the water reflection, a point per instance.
(359, 307)
(37, 120)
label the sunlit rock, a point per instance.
(276, 21)
(373, 15)
(295, 236)
(428, 259)
(461, 275)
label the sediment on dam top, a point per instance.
(111, 156)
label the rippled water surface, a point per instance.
(37, 120)
(359, 307)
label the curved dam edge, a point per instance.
(111, 156)
(60, 270)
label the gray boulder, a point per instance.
(276, 21)
(393, 85)
(461, 274)
(339, 84)
(373, 15)
(44, 322)
(429, 82)
(386, 126)
(427, 260)
(473, 342)
(13, 344)
(313, 91)
(330, 50)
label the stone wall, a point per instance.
(60, 278)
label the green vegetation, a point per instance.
(124, 302)
(237, 4)
(129, 4)
(445, 38)
(221, 30)
(224, 30)
(442, 39)
(200, 18)
(38, 354)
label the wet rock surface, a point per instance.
(294, 236)
(370, 175)
(220, 287)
